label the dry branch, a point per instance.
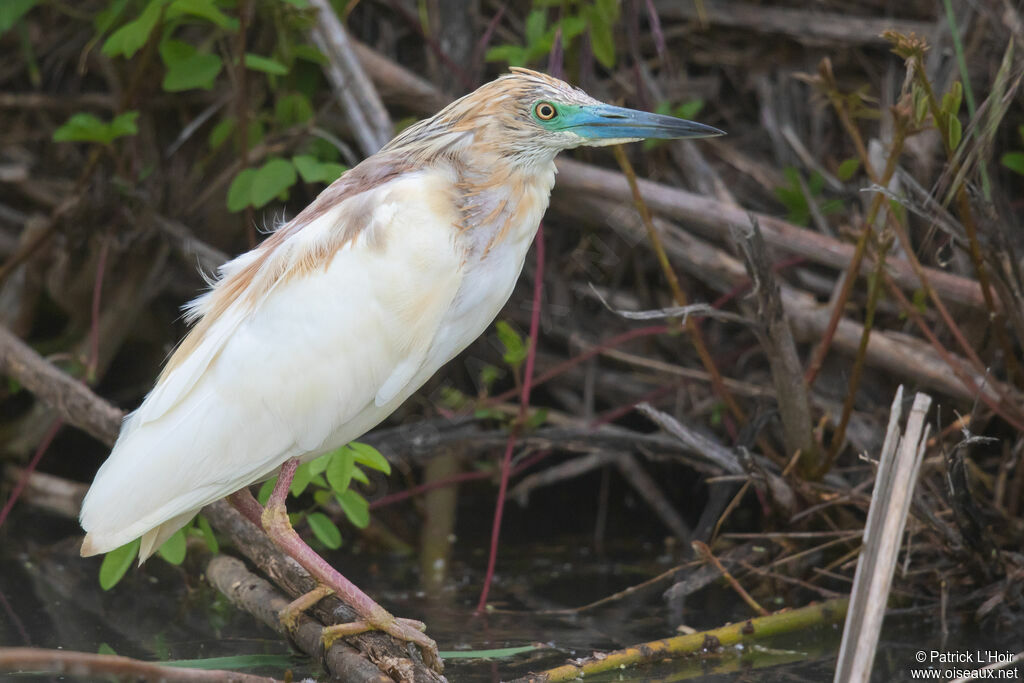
(883, 537)
(259, 598)
(776, 338)
(711, 219)
(30, 660)
(370, 121)
(810, 27)
(389, 655)
(74, 401)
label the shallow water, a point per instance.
(51, 598)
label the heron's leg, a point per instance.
(374, 617)
(250, 508)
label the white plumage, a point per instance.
(321, 357)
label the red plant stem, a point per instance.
(23, 479)
(557, 370)
(524, 403)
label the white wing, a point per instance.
(322, 355)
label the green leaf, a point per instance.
(205, 9)
(954, 131)
(208, 535)
(513, 54)
(240, 191)
(690, 109)
(265, 490)
(339, 469)
(317, 466)
(356, 508)
(952, 99)
(265, 64)
(12, 10)
(303, 475)
(515, 348)
(609, 10)
(188, 69)
(293, 109)
(536, 22)
(309, 53)
(105, 649)
(82, 127)
(359, 476)
(572, 26)
(173, 549)
(272, 178)
(367, 455)
(848, 168)
(920, 104)
(298, 4)
(602, 41)
(221, 132)
(324, 529)
(1013, 161)
(130, 38)
(116, 563)
(313, 170)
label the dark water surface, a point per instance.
(51, 598)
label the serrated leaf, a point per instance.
(301, 480)
(205, 9)
(240, 190)
(208, 535)
(367, 455)
(324, 529)
(339, 469)
(1013, 161)
(848, 168)
(188, 69)
(116, 563)
(271, 179)
(355, 506)
(293, 109)
(12, 10)
(173, 549)
(83, 127)
(265, 64)
(130, 38)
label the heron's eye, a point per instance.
(545, 111)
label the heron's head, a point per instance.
(529, 117)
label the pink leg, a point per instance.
(275, 523)
(243, 501)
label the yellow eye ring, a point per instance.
(545, 111)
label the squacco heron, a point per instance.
(312, 338)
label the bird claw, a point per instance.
(408, 630)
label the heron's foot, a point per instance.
(289, 616)
(408, 630)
